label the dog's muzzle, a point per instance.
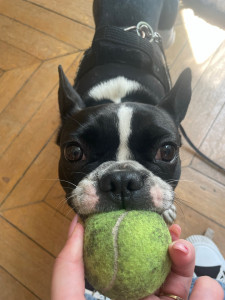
(123, 185)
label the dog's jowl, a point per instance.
(119, 135)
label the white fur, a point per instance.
(86, 198)
(124, 116)
(114, 89)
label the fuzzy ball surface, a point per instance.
(126, 253)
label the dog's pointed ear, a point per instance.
(69, 100)
(177, 101)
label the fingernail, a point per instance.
(180, 247)
(73, 225)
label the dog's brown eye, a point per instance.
(166, 153)
(73, 153)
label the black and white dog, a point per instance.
(119, 135)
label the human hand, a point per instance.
(178, 282)
(68, 274)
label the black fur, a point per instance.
(93, 125)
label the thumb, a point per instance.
(207, 288)
(178, 282)
(182, 254)
(68, 272)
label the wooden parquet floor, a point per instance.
(35, 37)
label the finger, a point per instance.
(72, 225)
(68, 272)
(175, 232)
(151, 297)
(183, 262)
(207, 288)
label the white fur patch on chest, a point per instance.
(114, 89)
(125, 114)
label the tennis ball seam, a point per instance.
(115, 232)
(126, 253)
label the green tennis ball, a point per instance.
(126, 253)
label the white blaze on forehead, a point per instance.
(114, 89)
(124, 125)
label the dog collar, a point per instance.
(138, 46)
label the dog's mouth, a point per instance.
(123, 185)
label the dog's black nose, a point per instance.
(121, 183)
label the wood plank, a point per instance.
(12, 81)
(31, 41)
(29, 143)
(12, 57)
(207, 100)
(214, 147)
(34, 219)
(57, 200)
(43, 125)
(198, 31)
(202, 194)
(76, 9)
(174, 50)
(29, 99)
(186, 152)
(54, 25)
(179, 19)
(44, 170)
(192, 222)
(45, 174)
(25, 260)
(184, 60)
(12, 289)
(179, 57)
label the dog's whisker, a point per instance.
(178, 180)
(52, 179)
(61, 203)
(180, 200)
(69, 197)
(69, 211)
(181, 209)
(61, 180)
(68, 188)
(59, 196)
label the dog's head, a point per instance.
(125, 155)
